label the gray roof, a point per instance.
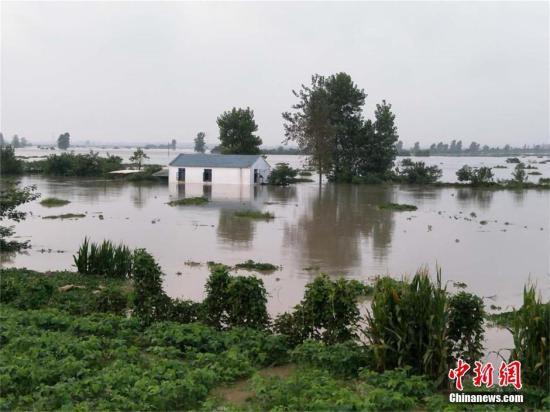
(214, 160)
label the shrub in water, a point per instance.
(476, 175)
(419, 173)
(282, 175)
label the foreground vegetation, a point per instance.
(100, 340)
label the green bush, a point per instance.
(111, 300)
(519, 176)
(282, 175)
(477, 176)
(466, 332)
(150, 302)
(9, 164)
(71, 164)
(328, 312)
(340, 359)
(418, 173)
(233, 301)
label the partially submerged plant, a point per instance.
(397, 207)
(54, 202)
(254, 214)
(189, 201)
(262, 267)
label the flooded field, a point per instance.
(493, 241)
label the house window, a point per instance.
(207, 175)
(181, 174)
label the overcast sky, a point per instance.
(150, 72)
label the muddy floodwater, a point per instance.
(494, 241)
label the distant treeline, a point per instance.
(456, 148)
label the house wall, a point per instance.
(263, 169)
(219, 175)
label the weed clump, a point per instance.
(254, 214)
(65, 216)
(190, 201)
(397, 207)
(262, 267)
(54, 202)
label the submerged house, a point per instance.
(218, 169)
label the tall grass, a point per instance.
(104, 259)
(531, 332)
(407, 325)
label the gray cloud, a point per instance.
(140, 71)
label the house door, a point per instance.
(181, 174)
(255, 175)
(207, 175)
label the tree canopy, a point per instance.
(138, 157)
(200, 144)
(328, 124)
(237, 128)
(64, 141)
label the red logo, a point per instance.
(508, 374)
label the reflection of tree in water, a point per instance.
(420, 194)
(281, 193)
(84, 188)
(235, 230)
(141, 191)
(335, 220)
(471, 197)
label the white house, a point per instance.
(218, 168)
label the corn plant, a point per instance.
(407, 325)
(531, 332)
(104, 259)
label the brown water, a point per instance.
(337, 228)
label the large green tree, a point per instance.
(309, 125)
(328, 124)
(200, 144)
(237, 128)
(64, 141)
(378, 147)
(346, 102)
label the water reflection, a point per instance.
(336, 220)
(234, 193)
(469, 197)
(238, 232)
